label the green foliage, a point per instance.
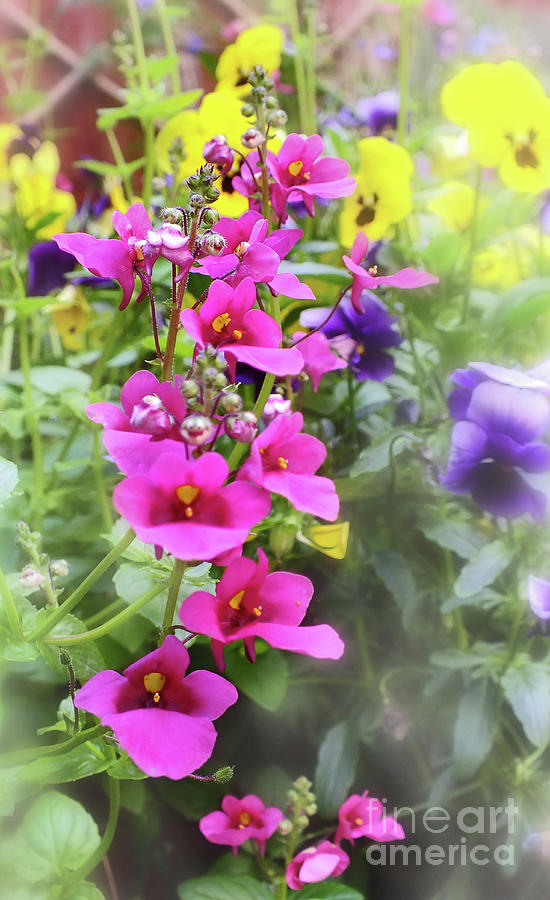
(336, 767)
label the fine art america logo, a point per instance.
(463, 845)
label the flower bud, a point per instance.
(212, 243)
(59, 568)
(194, 182)
(172, 215)
(277, 118)
(276, 405)
(223, 775)
(211, 194)
(302, 783)
(252, 138)
(247, 110)
(230, 403)
(281, 540)
(218, 152)
(197, 430)
(242, 428)
(196, 201)
(209, 376)
(302, 821)
(189, 389)
(220, 381)
(150, 417)
(31, 578)
(210, 216)
(271, 103)
(284, 827)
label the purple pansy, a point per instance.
(379, 113)
(467, 379)
(48, 268)
(495, 444)
(160, 716)
(538, 591)
(363, 338)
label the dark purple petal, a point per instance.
(48, 266)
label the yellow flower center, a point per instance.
(154, 683)
(221, 322)
(237, 334)
(244, 819)
(241, 249)
(282, 462)
(295, 167)
(360, 349)
(524, 152)
(187, 494)
(358, 821)
(236, 600)
(257, 610)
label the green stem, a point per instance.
(418, 368)
(8, 332)
(169, 42)
(473, 246)
(102, 630)
(351, 404)
(118, 157)
(149, 132)
(311, 81)
(83, 588)
(103, 614)
(114, 805)
(17, 757)
(100, 483)
(10, 607)
(137, 40)
(37, 498)
(177, 301)
(404, 72)
(173, 591)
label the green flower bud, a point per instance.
(189, 389)
(247, 110)
(311, 809)
(211, 194)
(277, 118)
(230, 403)
(223, 775)
(210, 216)
(284, 827)
(281, 539)
(302, 822)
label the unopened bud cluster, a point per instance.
(41, 571)
(301, 804)
(262, 105)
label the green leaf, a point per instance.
(393, 569)
(103, 168)
(331, 274)
(264, 681)
(336, 767)
(527, 689)
(81, 762)
(377, 456)
(220, 887)
(8, 478)
(86, 659)
(56, 837)
(327, 890)
(126, 769)
(86, 891)
(482, 569)
(461, 538)
(475, 727)
(53, 380)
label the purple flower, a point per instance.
(48, 266)
(495, 444)
(160, 716)
(379, 113)
(468, 379)
(360, 338)
(538, 591)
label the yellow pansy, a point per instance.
(383, 194)
(507, 116)
(455, 204)
(332, 540)
(260, 45)
(8, 133)
(450, 154)
(510, 260)
(35, 193)
(71, 318)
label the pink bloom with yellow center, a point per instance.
(229, 323)
(316, 864)
(318, 357)
(182, 504)
(367, 279)
(240, 821)
(251, 253)
(363, 816)
(160, 716)
(252, 603)
(283, 460)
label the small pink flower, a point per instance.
(283, 460)
(316, 864)
(363, 280)
(363, 816)
(182, 504)
(119, 259)
(218, 152)
(173, 245)
(240, 821)
(276, 405)
(318, 357)
(298, 174)
(250, 252)
(160, 716)
(228, 322)
(252, 603)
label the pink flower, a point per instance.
(252, 603)
(227, 321)
(316, 864)
(276, 405)
(173, 245)
(283, 461)
(362, 816)
(120, 260)
(368, 280)
(318, 357)
(182, 505)
(240, 821)
(298, 174)
(162, 718)
(218, 152)
(251, 253)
